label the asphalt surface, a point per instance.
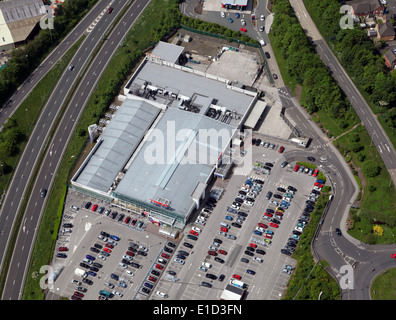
(23, 91)
(57, 145)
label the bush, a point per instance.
(371, 169)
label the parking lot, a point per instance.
(252, 257)
(239, 235)
(121, 256)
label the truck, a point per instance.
(237, 283)
(105, 293)
(232, 293)
(80, 272)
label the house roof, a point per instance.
(390, 56)
(365, 6)
(386, 29)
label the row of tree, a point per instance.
(319, 90)
(360, 57)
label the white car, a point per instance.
(262, 17)
(123, 265)
(243, 22)
(317, 188)
(202, 268)
(222, 14)
(251, 195)
(245, 189)
(298, 229)
(241, 196)
(179, 260)
(128, 272)
(286, 199)
(143, 248)
(276, 204)
(207, 265)
(260, 229)
(117, 293)
(258, 259)
(202, 222)
(125, 256)
(196, 229)
(248, 203)
(102, 257)
(161, 294)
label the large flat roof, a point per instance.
(191, 84)
(174, 159)
(117, 143)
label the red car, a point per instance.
(212, 253)
(95, 206)
(317, 184)
(153, 279)
(133, 222)
(253, 245)
(222, 252)
(296, 168)
(127, 219)
(194, 233)
(262, 225)
(268, 214)
(78, 294)
(274, 225)
(281, 149)
(130, 253)
(107, 250)
(237, 276)
(108, 245)
(393, 255)
(158, 266)
(110, 10)
(164, 255)
(315, 173)
(224, 229)
(63, 249)
(268, 236)
(243, 29)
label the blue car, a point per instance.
(250, 271)
(294, 236)
(90, 257)
(229, 19)
(257, 232)
(320, 181)
(114, 276)
(228, 218)
(231, 210)
(93, 274)
(114, 238)
(148, 285)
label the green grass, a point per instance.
(384, 286)
(333, 125)
(379, 195)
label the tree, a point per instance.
(371, 169)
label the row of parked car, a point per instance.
(91, 264)
(120, 217)
(265, 144)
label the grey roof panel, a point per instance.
(119, 141)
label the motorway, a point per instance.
(56, 147)
(26, 87)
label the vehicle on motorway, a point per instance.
(43, 193)
(110, 10)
